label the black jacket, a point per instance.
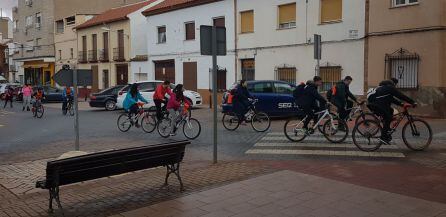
(342, 94)
(310, 96)
(387, 95)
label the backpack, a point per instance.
(299, 91)
(371, 93)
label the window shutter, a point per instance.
(190, 31)
(287, 13)
(331, 10)
(247, 21)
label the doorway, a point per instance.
(165, 70)
(122, 75)
(190, 75)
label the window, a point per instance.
(161, 34)
(29, 46)
(397, 3)
(221, 79)
(190, 30)
(247, 21)
(38, 20)
(38, 43)
(287, 16)
(262, 87)
(59, 26)
(71, 53)
(330, 75)
(248, 69)
(70, 20)
(287, 74)
(147, 86)
(219, 22)
(28, 3)
(15, 25)
(29, 21)
(403, 66)
(60, 54)
(283, 88)
(331, 11)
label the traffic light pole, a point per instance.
(76, 111)
(214, 87)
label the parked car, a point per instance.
(274, 97)
(147, 89)
(106, 98)
(52, 94)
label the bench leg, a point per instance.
(50, 208)
(54, 195)
(175, 169)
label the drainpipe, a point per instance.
(235, 40)
(366, 45)
(306, 21)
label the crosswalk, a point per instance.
(5, 113)
(276, 143)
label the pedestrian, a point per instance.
(27, 92)
(8, 96)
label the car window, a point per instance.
(116, 90)
(263, 87)
(126, 88)
(283, 88)
(146, 86)
(51, 89)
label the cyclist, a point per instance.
(38, 96)
(67, 96)
(9, 95)
(173, 106)
(339, 96)
(380, 100)
(159, 97)
(311, 101)
(131, 101)
(241, 103)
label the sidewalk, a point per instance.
(288, 193)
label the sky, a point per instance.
(6, 6)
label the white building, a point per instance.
(174, 43)
(275, 40)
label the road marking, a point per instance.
(326, 153)
(323, 145)
(2, 125)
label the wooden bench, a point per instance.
(103, 164)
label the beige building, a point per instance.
(407, 40)
(104, 44)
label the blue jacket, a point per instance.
(129, 100)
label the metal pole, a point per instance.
(214, 86)
(76, 111)
(318, 67)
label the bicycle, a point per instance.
(191, 126)
(294, 131)
(260, 121)
(126, 121)
(37, 109)
(69, 108)
(411, 132)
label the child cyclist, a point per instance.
(38, 97)
(131, 101)
(177, 103)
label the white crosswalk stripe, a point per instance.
(276, 143)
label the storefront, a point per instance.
(39, 73)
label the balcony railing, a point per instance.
(118, 54)
(92, 56)
(103, 55)
(82, 57)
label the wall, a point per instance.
(180, 50)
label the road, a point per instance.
(31, 138)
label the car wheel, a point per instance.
(110, 105)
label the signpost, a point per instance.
(213, 42)
(317, 51)
(69, 77)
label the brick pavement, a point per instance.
(288, 193)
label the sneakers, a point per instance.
(386, 139)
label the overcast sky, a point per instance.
(6, 6)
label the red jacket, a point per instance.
(160, 92)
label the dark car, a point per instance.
(274, 97)
(106, 98)
(52, 94)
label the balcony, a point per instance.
(82, 57)
(103, 55)
(93, 56)
(118, 54)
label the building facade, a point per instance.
(407, 40)
(275, 40)
(34, 38)
(174, 43)
(105, 44)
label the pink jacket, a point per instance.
(173, 103)
(27, 91)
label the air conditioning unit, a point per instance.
(28, 2)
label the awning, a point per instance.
(36, 66)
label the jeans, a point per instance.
(173, 115)
(6, 102)
(385, 113)
(26, 101)
(344, 110)
(158, 103)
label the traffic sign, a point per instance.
(64, 77)
(206, 40)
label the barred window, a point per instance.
(330, 75)
(287, 74)
(403, 66)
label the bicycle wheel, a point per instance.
(366, 116)
(148, 122)
(260, 122)
(192, 128)
(365, 137)
(124, 123)
(230, 121)
(336, 130)
(39, 111)
(417, 135)
(293, 130)
(71, 110)
(164, 127)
